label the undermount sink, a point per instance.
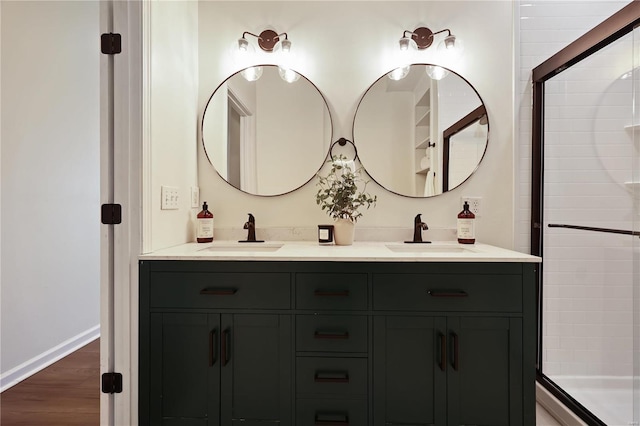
(427, 248)
(244, 247)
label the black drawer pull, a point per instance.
(447, 293)
(332, 419)
(331, 293)
(320, 334)
(226, 346)
(456, 348)
(331, 377)
(219, 291)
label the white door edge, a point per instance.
(121, 183)
(106, 231)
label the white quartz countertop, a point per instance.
(446, 251)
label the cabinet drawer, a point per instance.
(331, 412)
(220, 290)
(331, 291)
(331, 376)
(447, 292)
(331, 333)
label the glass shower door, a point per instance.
(590, 269)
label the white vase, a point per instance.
(343, 230)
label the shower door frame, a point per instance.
(616, 26)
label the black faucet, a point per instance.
(250, 225)
(418, 227)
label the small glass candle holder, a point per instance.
(325, 234)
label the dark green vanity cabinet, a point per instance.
(449, 365)
(215, 345)
(336, 343)
(410, 386)
(455, 371)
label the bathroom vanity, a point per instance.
(369, 334)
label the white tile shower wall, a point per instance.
(588, 292)
(544, 27)
(588, 107)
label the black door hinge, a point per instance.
(111, 214)
(112, 383)
(111, 43)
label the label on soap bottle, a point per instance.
(466, 230)
(205, 228)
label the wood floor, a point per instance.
(67, 393)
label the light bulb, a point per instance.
(243, 44)
(405, 43)
(399, 73)
(242, 53)
(285, 45)
(288, 75)
(451, 47)
(407, 51)
(282, 55)
(436, 72)
(252, 73)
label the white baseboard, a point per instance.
(45, 359)
(558, 410)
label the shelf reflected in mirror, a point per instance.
(399, 130)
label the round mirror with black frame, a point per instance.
(418, 131)
(266, 131)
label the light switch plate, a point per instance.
(195, 197)
(170, 198)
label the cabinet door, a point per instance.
(184, 370)
(409, 377)
(485, 371)
(256, 369)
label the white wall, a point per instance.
(343, 47)
(286, 138)
(173, 113)
(50, 182)
(392, 160)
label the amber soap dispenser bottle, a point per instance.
(205, 225)
(466, 225)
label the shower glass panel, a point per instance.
(589, 275)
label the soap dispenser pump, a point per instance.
(205, 225)
(466, 225)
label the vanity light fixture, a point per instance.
(422, 37)
(269, 41)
